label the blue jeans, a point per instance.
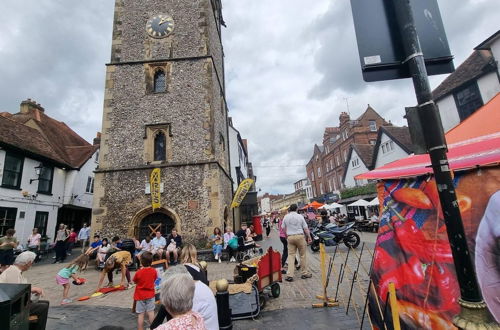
(217, 248)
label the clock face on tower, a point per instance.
(160, 26)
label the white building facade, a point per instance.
(46, 174)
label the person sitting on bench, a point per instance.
(174, 245)
(158, 243)
(14, 275)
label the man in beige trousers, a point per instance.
(297, 234)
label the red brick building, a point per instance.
(325, 169)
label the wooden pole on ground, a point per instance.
(325, 276)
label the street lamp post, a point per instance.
(474, 314)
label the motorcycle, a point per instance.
(332, 235)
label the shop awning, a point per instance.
(359, 202)
(475, 142)
(331, 206)
(374, 202)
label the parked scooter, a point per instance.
(332, 235)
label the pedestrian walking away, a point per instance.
(84, 236)
(298, 236)
(284, 241)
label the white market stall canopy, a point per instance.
(374, 202)
(331, 206)
(360, 202)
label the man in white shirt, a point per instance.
(14, 275)
(297, 233)
(158, 243)
(84, 236)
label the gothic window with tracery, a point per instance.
(159, 81)
(160, 147)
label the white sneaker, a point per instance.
(220, 260)
(216, 257)
(232, 259)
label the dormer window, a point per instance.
(159, 81)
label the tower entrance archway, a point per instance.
(155, 222)
(146, 222)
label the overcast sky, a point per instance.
(291, 68)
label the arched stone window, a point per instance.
(159, 81)
(160, 142)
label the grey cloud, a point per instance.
(55, 53)
(289, 64)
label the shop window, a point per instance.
(7, 219)
(12, 171)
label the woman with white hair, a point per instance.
(177, 292)
(14, 275)
(203, 302)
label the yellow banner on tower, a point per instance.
(241, 192)
(154, 181)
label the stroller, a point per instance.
(247, 250)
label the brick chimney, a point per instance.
(97, 139)
(344, 117)
(31, 107)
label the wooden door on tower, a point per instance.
(155, 222)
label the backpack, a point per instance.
(233, 243)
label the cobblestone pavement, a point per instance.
(295, 296)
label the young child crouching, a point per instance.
(62, 278)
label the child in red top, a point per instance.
(144, 294)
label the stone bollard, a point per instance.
(223, 310)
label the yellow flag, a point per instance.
(241, 192)
(154, 181)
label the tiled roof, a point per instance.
(38, 133)
(479, 63)
(25, 138)
(365, 152)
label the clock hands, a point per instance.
(163, 20)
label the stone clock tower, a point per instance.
(164, 108)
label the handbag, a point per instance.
(233, 243)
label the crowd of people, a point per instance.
(186, 299)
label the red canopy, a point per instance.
(314, 205)
(475, 142)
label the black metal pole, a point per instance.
(436, 147)
(368, 290)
